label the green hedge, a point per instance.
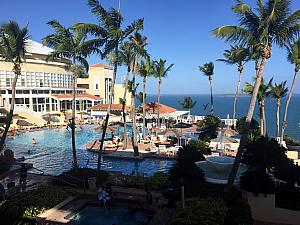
(206, 211)
(28, 205)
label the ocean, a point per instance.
(223, 105)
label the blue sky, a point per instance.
(178, 31)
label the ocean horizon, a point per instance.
(223, 106)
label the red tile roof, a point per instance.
(103, 107)
(102, 65)
(162, 109)
(78, 96)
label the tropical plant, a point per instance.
(153, 106)
(188, 103)
(237, 55)
(160, 71)
(263, 92)
(126, 57)
(208, 70)
(272, 24)
(139, 42)
(293, 58)
(145, 70)
(13, 43)
(208, 127)
(253, 133)
(110, 32)
(278, 91)
(70, 43)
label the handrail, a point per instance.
(76, 178)
(62, 180)
(43, 172)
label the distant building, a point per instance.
(47, 86)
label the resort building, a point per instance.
(46, 86)
(99, 82)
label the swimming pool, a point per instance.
(119, 214)
(53, 152)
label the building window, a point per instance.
(18, 91)
(26, 92)
(97, 87)
(22, 82)
(34, 91)
(7, 82)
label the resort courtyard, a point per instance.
(150, 113)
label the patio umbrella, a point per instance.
(16, 116)
(50, 117)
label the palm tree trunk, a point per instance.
(123, 108)
(237, 93)
(110, 99)
(261, 119)
(277, 117)
(144, 108)
(158, 105)
(264, 116)
(283, 126)
(17, 70)
(134, 138)
(211, 96)
(244, 136)
(74, 164)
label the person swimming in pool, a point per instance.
(34, 141)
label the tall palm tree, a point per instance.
(271, 24)
(71, 43)
(278, 91)
(126, 57)
(208, 70)
(139, 42)
(13, 43)
(188, 104)
(263, 92)
(110, 32)
(145, 70)
(237, 55)
(293, 58)
(160, 71)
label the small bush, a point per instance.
(4, 166)
(257, 182)
(185, 167)
(287, 197)
(206, 211)
(239, 215)
(27, 206)
(201, 146)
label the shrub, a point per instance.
(257, 182)
(206, 211)
(201, 146)
(185, 167)
(27, 206)
(158, 181)
(254, 128)
(287, 197)
(290, 140)
(239, 215)
(208, 127)
(82, 174)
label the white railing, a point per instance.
(22, 108)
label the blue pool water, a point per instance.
(53, 153)
(117, 214)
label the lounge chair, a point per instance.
(162, 149)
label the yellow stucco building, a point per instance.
(98, 84)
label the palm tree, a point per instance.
(263, 92)
(153, 106)
(139, 42)
(13, 43)
(110, 32)
(70, 43)
(188, 104)
(160, 71)
(126, 57)
(293, 58)
(208, 70)
(237, 55)
(278, 91)
(145, 70)
(272, 24)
